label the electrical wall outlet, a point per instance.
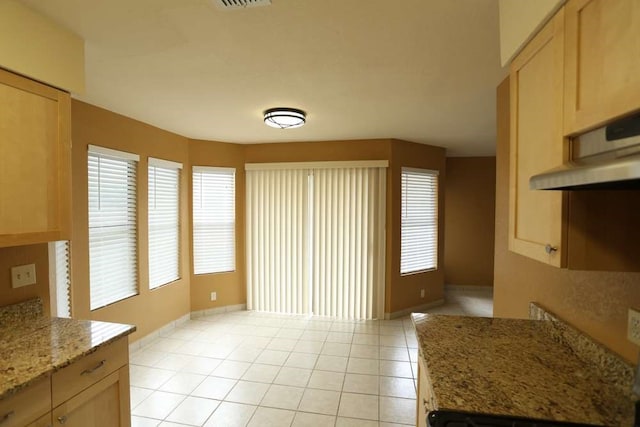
(421, 293)
(633, 326)
(23, 275)
(214, 296)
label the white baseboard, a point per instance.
(417, 308)
(163, 330)
(218, 310)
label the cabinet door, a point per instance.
(35, 162)
(425, 402)
(104, 404)
(536, 144)
(44, 421)
(27, 405)
(602, 79)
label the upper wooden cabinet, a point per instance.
(35, 162)
(536, 218)
(602, 62)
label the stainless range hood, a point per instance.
(605, 158)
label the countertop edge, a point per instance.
(9, 392)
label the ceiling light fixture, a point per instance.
(284, 118)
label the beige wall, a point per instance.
(519, 21)
(230, 287)
(594, 302)
(35, 46)
(150, 309)
(469, 222)
(404, 290)
(20, 255)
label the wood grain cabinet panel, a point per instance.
(35, 162)
(26, 407)
(81, 374)
(537, 218)
(104, 404)
(602, 62)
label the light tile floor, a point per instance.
(258, 369)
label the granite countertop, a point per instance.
(33, 345)
(520, 368)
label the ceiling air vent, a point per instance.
(240, 4)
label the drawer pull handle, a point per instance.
(62, 419)
(95, 368)
(6, 416)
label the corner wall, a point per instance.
(595, 302)
(150, 309)
(469, 222)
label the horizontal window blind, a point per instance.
(112, 226)
(214, 219)
(164, 222)
(61, 276)
(419, 220)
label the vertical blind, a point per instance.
(164, 222)
(61, 277)
(419, 219)
(348, 242)
(315, 239)
(214, 219)
(112, 226)
(277, 244)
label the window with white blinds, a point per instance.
(214, 219)
(164, 222)
(113, 251)
(60, 278)
(419, 216)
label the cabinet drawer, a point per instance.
(81, 374)
(27, 405)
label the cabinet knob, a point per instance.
(550, 249)
(62, 419)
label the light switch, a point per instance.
(23, 275)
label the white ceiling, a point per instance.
(419, 70)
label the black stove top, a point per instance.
(468, 419)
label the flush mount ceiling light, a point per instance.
(285, 118)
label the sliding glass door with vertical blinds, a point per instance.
(113, 243)
(315, 238)
(164, 222)
(214, 219)
(419, 220)
(277, 241)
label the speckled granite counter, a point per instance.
(33, 346)
(521, 368)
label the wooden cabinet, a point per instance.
(424, 402)
(103, 404)
(602, 62)
(536, 218)
(35, 162)
(28, 407)
(91, 392)
(94, 391)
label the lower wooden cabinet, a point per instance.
(28, 406)
(103, 404)
(91, 392)
(44, 421)
(424, 401)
